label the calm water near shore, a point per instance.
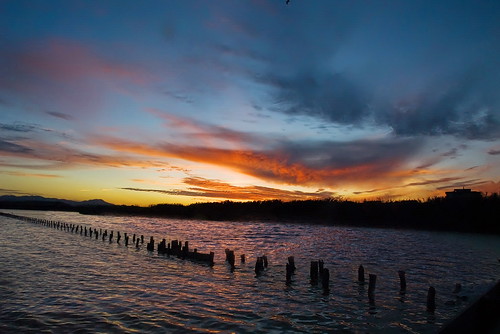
(57, 282)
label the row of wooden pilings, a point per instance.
(318, 273)
(175, 247)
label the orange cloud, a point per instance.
(201, 187)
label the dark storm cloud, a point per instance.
(433, 77)
(384, 153)
(331, 97)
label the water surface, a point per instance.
(57, 282)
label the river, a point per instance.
(55, 281)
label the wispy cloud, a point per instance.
(61, 115)
(201, 187)
(22, 174)
(66, 73)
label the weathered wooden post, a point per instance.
(185, 250)
(361, 273)
(291, 263)
(110, 236)
(133, 239)
(242, 257)
(289, 273)
(118, 237)
(402, 280)
(162, 246)
(259, 266)
(313, 272)
(137, 243)
(230, 258)
(431, 300)
(85, 230)
(96, 234)
(126, 239)
(325, 280)
(264, 258)
(321, 265)
(90, 232)
(151, 245)
(212, 255)
(371, 287)
(142, 239)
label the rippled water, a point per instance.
(57, 282)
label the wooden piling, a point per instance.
(313, 272)
(264, 259)
(118, 237)
(431, 300)
(371, 287)
(402, 280)
(242, 257)
(230, 257)
(361, 273)
(321, 266)
(111, 236)
(151, 245)
(325, 280)
(289, 273)
(291, 263)
(259, 266)
(142, 239)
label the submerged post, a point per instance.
(242, 257)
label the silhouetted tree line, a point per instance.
(439, 213)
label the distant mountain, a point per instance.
(28, 202)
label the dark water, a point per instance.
(54, 281)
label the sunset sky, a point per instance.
(145, 102)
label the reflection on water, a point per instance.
(56, 281)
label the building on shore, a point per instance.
(463, 194)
